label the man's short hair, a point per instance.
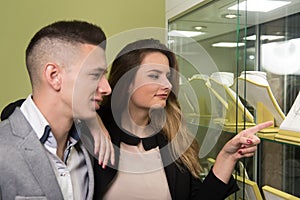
(59, 41)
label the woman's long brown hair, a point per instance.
(184, 146)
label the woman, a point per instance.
(156, 157)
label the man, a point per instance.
(41, 155)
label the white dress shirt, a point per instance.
(71, 172)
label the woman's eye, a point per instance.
(154, 76)
(169, 76)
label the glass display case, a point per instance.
(239, 66)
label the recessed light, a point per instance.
(176, 33)
(251, 57)
(198, 28)
(259, 5)
(230, 15)
(228, 44)
(265, 37)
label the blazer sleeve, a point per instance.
(212, 188)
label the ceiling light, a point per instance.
(228, 44)
(198, 28)
(265, 37)
(230, 16)
(176, 33)
(251, 57)
(259, 5)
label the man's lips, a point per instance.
(97, 102)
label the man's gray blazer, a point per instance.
(25, 170)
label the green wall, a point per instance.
(19, 20)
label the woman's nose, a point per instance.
(167, 84)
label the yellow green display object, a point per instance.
(271, 193)
(235, 114)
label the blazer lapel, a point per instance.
(35, 156)
(90, 171)
(170, 171)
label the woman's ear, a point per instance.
(53, 75)
(130, 87)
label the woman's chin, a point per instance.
(158, 106)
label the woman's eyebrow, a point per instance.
(158, 71)
(155, 70)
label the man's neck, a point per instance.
(59, 120)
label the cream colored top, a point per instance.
(141, 176)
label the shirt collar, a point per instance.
(40, 125)
(34, 116)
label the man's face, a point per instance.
(90, 84)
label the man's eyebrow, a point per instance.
(99, 69)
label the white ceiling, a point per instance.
(210, 16)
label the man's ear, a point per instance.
(53, 75)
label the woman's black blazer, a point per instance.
(182, 185)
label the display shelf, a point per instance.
(264, 81)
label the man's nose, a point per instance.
(104, 87)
